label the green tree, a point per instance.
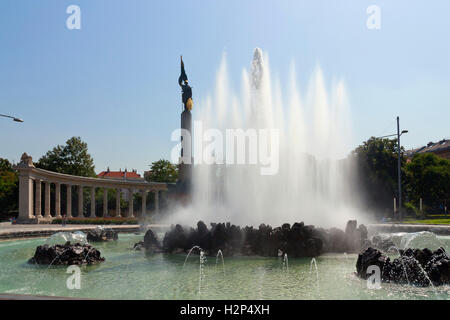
(376, 161)
(72, 158)
(428, 177)
(163, 171)
(9, 189)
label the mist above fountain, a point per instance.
(314, 132)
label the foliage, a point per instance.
(72, 158)
(428, 177)
(9, 189)
(376, 160)
(411, 209)
(163, 171)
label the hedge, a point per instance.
(112, 220)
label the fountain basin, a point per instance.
(127, 274)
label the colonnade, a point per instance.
(33, 182)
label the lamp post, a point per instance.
(399, 170)
(14, 118)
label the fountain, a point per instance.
(313, 262)
(66, 254)
(100, 234)
(189, 253)
(418, 267)
(127, 274)
(310, 185)
(285, 263)
(217, 260)
(402, 262)
(63, 237)
(314, 131)
(201, 271)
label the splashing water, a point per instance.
(223, 262)
(422, 239)
(425, 274)
(401, 260)
(201, 266)
(285, 263)
(63, 237)
(313, 262)
(314, 132)
(189, 253)
(201, 271)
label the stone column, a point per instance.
(105, 202)
(47, 200)
(130, 203)
(69, 201)
(144, 203)
(92, 202)
(117, 202)
(38, 199)
(80, 202)
(25, 197)
(156, 201)
(57, 200)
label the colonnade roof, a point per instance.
(55, 177)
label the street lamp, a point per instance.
(14, 118)
(399, 172)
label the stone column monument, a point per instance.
(185, 164)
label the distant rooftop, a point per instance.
(435, 147)
(119, 174)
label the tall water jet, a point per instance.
(313, 130)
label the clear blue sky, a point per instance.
(114, 82)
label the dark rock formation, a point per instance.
(150, 243)
(66, 254)
(414, 266)
(100, 234)
(297, 240)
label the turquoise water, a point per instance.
(128, 274)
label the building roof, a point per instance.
(434, 147)
(119, 174)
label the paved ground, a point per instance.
(403, 227)
(10, 231)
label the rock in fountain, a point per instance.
(296, 241)
(100, 234)
(414, 266)
(150, 243)
(66, 254)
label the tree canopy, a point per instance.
(72, 158)
(9, 188)
(428, 177)
(376, 160)
(163, 171)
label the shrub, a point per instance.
(412, 209)
(102, 221)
